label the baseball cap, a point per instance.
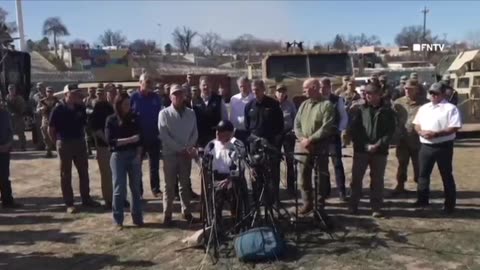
(437, 88)
(49, 89)
(100, 91)
(224, 125)
(176, 88)
(411, 83)
(403, 78)
(70, 88)
(281, 87)
(446, 77)
(413, 75)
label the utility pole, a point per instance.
(424, 39)
(18, 5)
(160, 30)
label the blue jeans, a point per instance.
(125, 163)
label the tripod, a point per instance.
(209, 213)
(264, 202)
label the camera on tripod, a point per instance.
(260, 151)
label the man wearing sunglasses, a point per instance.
(437, 123)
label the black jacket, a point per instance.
(265, 119)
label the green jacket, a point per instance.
(315, 120)
(371, 126)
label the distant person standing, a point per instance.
(237, 108)
(16, 106)
(341, 122)
(437, 123)
(101, 110)
(89, 101)
(408, 144)
(178, 130)
(45, 108)
(6, 140)
(289, 112)
(122, 132)
(35, 100)
(147, 105)
(67, 128)
(451, 95)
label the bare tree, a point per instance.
(168, 48)
(339, 43)
(357, 41)
(110, 38)
(473, 39)
(10, 27)
(248, 43)
(143, 46)
(211, 42)
(413, 34)
(54, 27)
(183, 38)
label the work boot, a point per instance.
(49, 155)
(71, 209)
(377, 214)
(91, 203)
(399, 189)
(306, 208)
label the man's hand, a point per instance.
(305, 143)
(134, 139)
(372, 148)
(192, 152)
(427, 134)
(346, 138)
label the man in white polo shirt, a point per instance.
(437, 122)
(237, 109)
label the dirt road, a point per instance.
(42, 236)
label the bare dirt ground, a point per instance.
(42, 236)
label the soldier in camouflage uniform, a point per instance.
(408, 144)
(350, 94)
(400, 88)
(37, 117)
(89, 102)
(16, 105)
(45, 107)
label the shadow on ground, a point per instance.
(48, 261)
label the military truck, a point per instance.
(465, 79)
(291, 69)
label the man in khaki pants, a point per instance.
(101, 110)
(178, 132)
(67, 129)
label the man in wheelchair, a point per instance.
(227, 167)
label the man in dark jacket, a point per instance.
(264, 122)
(209, 110)
(371, 130)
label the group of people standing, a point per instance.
(173, 125)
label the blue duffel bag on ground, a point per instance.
(259, 244)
